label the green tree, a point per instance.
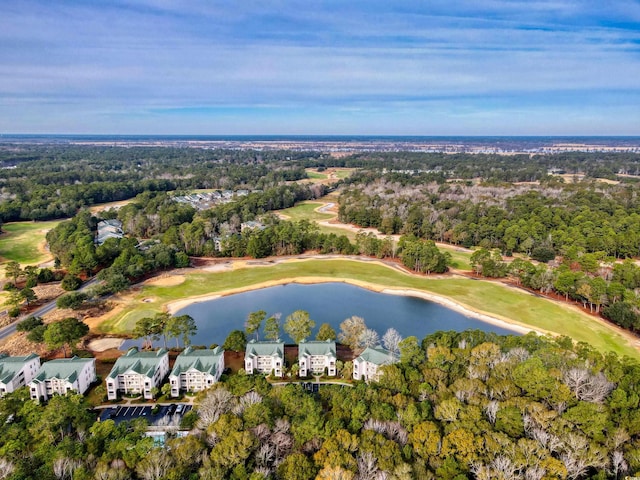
(65, 332)
(29, 324)
(70, 282)
(326, 332)
(254, 322)
(28, 295)
(298, 325)
(36, 335)
(236, 341)
(296, 466)
(72, 300)
(183, 326)
(410, 351)
(182, 260)
(272, 327)
(13, 270)
(149, 329)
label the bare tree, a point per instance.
(63, 468)
(282, 443)
(261, 432)
(368, 338)
(392, 430)
(368, 468)
(534, 473)
(266, 455)
(216, 403)
(391, 339)
(618, 464)
(587, 386)
(350, 331)
(281, 425)
(154, 465)
(6, 468)
(491, 410)
(501, 467)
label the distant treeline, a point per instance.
(47, 182)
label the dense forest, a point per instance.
(456, 406)
(46, 182)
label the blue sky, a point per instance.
(484, 67)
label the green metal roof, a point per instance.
(315, 347)
(144, 363)
(377, 356)
(63, 368)
(205, 361)
(11, 366)
(273, 349)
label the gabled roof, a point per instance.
(110, 223)
(205, 361)
(315, 347)
(62, 368)
(377, 356)
(264, 349)
(11, 366)
(143, 363)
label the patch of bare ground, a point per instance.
(166, 281)
(233, 360)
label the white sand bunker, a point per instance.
(102, 344)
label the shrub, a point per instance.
(71, 300)
(71, 282)
(29, 324)
(37, 334)
(46, 275)
(543, 254)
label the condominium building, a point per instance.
(196, 370)
(137, 373)
(63, 375)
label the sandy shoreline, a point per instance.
(504, 322)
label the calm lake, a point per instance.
(326, 303)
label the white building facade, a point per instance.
(367, 366)
(264, 357)
(317, 358)
(16, 372)
(138, 373)
(61, 376)
(196, 370)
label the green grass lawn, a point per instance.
(344, 173)
(339, 232)
(459, 258)
(21, 240)
(306, 210)
(316, 175)
(489, 297)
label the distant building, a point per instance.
(251, 225)
(137, 373)
(316, 356)
(61, 376)
(366, 366)
(16, 372)
(196, 370)
(109, 229)
(264, 357)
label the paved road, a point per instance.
(46, 308)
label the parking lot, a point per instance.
(166, 415)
